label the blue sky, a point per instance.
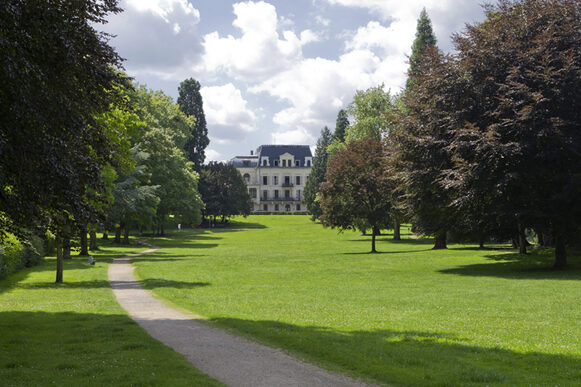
(276, 72)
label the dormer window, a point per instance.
(276, 163)
(297, 163)
(308, 163)
(284, 163)
(264, 163)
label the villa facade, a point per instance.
(276, 176)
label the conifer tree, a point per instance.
(191, 103)
(317, 175)
(424, 38)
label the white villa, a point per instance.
(276, 176)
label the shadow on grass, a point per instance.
(411, 357)
(79, 349)
(535, 265)
(151, 283)
(387, 252)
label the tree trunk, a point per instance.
(162, 229)
(522, 242)
(440, 241)
(540, 238)
(374, 231)
(560, 251)
(481, 243)
(84, 242)
(126, 236)
(117, 235)
(59, 259)
(396, 231)
(93, 241)
(67, 249)
(105, 235)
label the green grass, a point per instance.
(406, 316)
(75, 334)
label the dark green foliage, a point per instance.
(520, 153)
(190, 102)
(424, 133)
(57, 73)
(317, 175)
(223, 191)
(341, 126)
(357, 187)
(424, 38)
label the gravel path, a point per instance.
(230, 359)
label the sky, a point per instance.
(277, 71)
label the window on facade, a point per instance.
(252, 192)
(298, 180)
(275, 180)
(265, 194)
(287, 180)
(276, 207)
(287, 208)
(298, 207)
(265, 207)
(246, 163)
(297, 163)
(298, 194)
(276, 193)
(246, 178)
(287, 194)
(264, 180)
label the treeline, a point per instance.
(82, 147)
(484, 143)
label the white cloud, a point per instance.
(227, 115)
(260, 52)
(298, 136)
(448, 17)
(156, 37)
(322, 21)
(213, 155)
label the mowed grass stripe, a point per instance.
(408, 315)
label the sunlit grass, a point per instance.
(408, 315)
(75, 333)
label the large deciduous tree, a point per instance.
(57, 72)
(164, 134)
(317, 175)
(190, 102)
(357, 188)
(224, 191)
(371, 110)
(521, 151)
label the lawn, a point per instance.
(407, 316)
(75, 334)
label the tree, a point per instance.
(190, 103)
(317, 175)
(357, 184)
(223, 191)
(422, 137)
(341, 126)
(424, 38)
(523, 65)
(57, 73)
(371, 110)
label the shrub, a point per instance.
(16, 255)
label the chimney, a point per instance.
(251, 152)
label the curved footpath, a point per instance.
(230, 359)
